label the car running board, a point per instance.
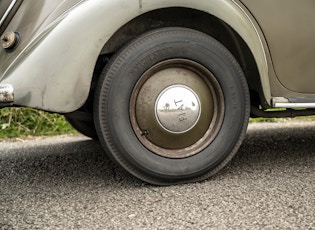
(282, 102)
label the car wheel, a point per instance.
(172, 106)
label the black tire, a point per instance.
(87, 128)
(153, 143)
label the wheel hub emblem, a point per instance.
(177, 109)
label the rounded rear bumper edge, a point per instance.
(6, 95)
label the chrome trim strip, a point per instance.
(293, 105)
(7, 11)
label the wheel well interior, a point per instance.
(194, 19)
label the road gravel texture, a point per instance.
(68, 183)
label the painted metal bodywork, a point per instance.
(52, 67)
(61, 40)
(289, 28)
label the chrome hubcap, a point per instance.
(177, 109)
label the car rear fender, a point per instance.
(54, 72)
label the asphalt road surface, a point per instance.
(67, 183)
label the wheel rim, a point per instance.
(177, 108)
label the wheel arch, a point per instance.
(237, 32)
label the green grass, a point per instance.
(21, 122)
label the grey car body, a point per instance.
(54, 52)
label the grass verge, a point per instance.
(22, 122)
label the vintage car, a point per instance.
(166, 86)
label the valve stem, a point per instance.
(145, 133)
